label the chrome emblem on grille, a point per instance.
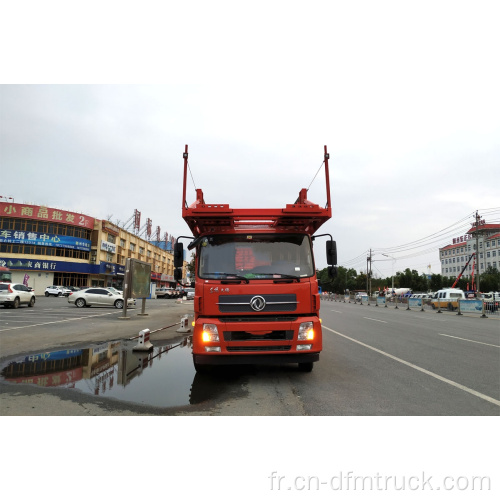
(258, 303)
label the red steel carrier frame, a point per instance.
(256, 292)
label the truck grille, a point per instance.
(256, 319)
(274, 335)
(268, 303)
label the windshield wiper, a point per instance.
(280, 276)
(235, 277)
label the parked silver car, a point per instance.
(15, 294)
(98, 297)
(57, 291)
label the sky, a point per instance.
(95, 115)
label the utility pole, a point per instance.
(477, 249)
(369, 274)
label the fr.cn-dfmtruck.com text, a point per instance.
(349, 481)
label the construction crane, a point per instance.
(462, 272)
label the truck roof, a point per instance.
(302, 216)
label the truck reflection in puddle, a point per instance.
(163, 377)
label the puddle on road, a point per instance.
(163, 377)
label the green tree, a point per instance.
(361, 281)
(345, 279)
(324, 281)
(436, 282)
(490, 280)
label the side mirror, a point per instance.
(331, 253)
(178, 254)
(178, 274)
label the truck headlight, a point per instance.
(306, 331)
(210, 333)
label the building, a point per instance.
(48, 246)
(484, 237)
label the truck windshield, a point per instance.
(255, 256)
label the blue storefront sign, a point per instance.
(44, 239)
(56, 266)
(110, 268)
(49, 265)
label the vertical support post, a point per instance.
(327, 180)
(483, 315)
(143, 309)
(126, 290)
(185, 156)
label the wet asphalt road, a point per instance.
(376, 361)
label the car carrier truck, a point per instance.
(256, 295)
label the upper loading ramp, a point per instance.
(301, 216)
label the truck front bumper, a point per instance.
(258, 359)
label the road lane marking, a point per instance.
(423, 370)
(17, 321)
(430, 319)
(54, 322)
(373, 319)
(467, 340)
(333, 310)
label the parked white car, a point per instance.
(57, 291)
(98, 297)
(358, 297)
(15, 294)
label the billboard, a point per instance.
(138, 279)
(46, 214)
(44, 239)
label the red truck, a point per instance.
(256, 293)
